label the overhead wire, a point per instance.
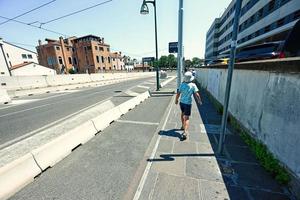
(20, 15)
(39, 27)
(76, 12)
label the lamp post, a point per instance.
(145, 11)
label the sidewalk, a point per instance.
(191, 169)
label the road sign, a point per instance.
(173, 47)
(148, 59)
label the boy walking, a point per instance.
(185, 92)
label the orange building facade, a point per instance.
(87, 54)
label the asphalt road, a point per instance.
(108, 166)
(40, 110)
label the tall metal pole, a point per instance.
(180, 44)
(156, 49)
(229, 76)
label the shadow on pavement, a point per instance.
(171, 133)
(171, 157)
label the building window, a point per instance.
(260, 13)
(267, 29)
(102, 59)
(57, 48)
(297, 15)
(68, 49)
(96, 48)
(108, 59)
(70, 60)
(89, 48)
(107, 49)
(114, 59)
(7, 55)
(60, 61)
(101, 49)
(75, 61)
(271, 6)
(97, 58)
(29, 56)
(24, 56)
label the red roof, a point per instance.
(20, 65)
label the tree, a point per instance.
(172, 62)
(188, 63)
(163, 62)
(197, 62)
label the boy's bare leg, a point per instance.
(186, 124)
(182, 120)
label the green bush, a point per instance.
(72, 71)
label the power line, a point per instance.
(73, 13)
(39, 27)
(27, 12)
(22, 44)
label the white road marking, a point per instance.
(136, 122)
(51, 124)
(23, 101)
(149, 164)
(141, 86)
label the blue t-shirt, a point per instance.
(187, 90)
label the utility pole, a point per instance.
(238, 5)
(180, 44)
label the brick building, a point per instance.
(84, 54)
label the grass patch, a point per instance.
(261, 152)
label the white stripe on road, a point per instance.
(136, 122)
(149, 164)
(51, 124)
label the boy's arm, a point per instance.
(177, 97)
(198, 98)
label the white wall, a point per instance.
(266, 103)
(3, 67)
(14, 54)
(32, 69)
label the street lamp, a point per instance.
(145, 11)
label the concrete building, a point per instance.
(117, 61)
(31, 69)
(11, 55)
(261, 21)
(87, 54)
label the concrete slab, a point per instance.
(170, 187)
(205, 148)
(185, 147)
(169, 165)
(165, 146)
(213, 190)
(203, 167)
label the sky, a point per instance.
(118, 21)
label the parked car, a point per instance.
(290, 47)
(263, 51)
(221, 61)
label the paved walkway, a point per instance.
(191, 170)
(140, 156)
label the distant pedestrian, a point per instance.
(185, 92)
